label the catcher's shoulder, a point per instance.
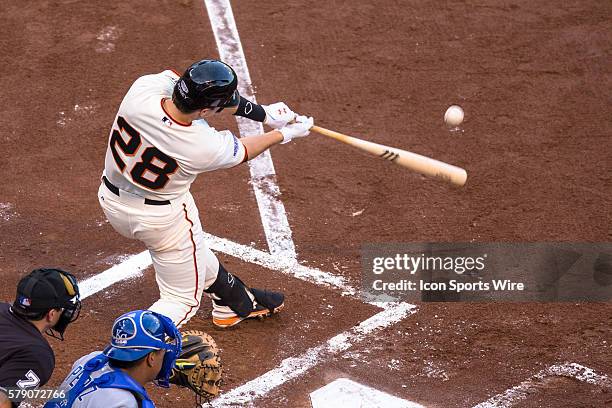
(113, 397)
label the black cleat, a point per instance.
(268, 303)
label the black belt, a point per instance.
(114, 189)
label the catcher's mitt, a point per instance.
(199, 366)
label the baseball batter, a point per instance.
(159, 143)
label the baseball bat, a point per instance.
(412, 161)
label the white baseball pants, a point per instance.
(184, 265)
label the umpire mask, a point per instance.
(72, 307)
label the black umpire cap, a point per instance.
(44, 289)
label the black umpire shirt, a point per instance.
(26, 359)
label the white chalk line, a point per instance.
(280, 264)
(293, 367)
(133, 266)
(520, 392)
(263, 176)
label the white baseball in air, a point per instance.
(453, 115)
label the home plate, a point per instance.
(349, 394)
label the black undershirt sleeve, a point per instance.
(250, 110)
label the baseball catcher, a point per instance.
(146, 347)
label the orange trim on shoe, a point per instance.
(232, 321)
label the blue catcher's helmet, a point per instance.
(137, 333)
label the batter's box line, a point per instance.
(294, 367)
(134, 266)
(520, 392)
(288, 266)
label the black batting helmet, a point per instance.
(206, 84)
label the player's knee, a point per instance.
(231, 292)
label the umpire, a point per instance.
(47, 301)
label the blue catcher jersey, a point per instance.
(97, 391)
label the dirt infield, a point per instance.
(534, 79)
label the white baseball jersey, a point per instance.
(97, 397)
(152, 155)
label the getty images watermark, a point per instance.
(522, 272)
